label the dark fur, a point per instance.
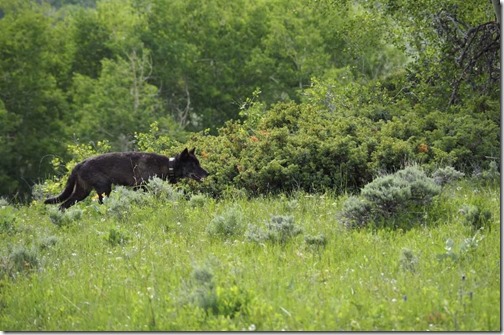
(127, 169)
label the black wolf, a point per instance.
(127, 169)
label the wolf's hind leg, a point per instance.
(103, 189)
(79, 194)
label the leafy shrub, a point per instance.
(314, 147)
(279, 229)
(293, 147)
(389, 196)
(336, 140)
(156, 140)
(229, 223)
(232, 300)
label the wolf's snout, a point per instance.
(199, 176)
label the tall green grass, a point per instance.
(145, 261)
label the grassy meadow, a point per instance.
(166, 261)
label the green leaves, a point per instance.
(126, 101)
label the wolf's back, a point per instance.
(67, 192)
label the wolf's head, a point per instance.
(189, 165)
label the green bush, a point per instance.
(21, 260)
(199, 290)
(47, 242)
(356, 212)
(163, 189)
(229, 223)
(388, 194)
(388, 197)
(446, 175)
(7, 219)
(62, 219)
(315, 242)
(206, 292)
(117, 237)
(307, 147)
(197, 200)
(491, 174)
(120, 201)
(407, 260)
(294, 147)
(280, 229)
(475, 216)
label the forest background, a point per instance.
(291, 94)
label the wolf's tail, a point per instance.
(69, 188)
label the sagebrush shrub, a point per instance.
(315, 242)
(48, 242)
(492, 173)
(20, 260)
(229, 223)
(255, 234)
(121, 200)
(389, 196)
(117, 237)
(200, 290)
(197, 200)
(65, 218)
(475, 217)
(7, 219)
(282, 228)
(279, 229)
(446, 175)
(204, 291)
(407, 260)
(163, 189)
(422, 187)
(356, 212)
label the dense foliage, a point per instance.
(322, 94)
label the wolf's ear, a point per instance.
(184, 153)
(192, 151)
